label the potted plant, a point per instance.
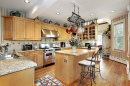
(73, 41)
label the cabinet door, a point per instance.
(44, 26)
(37, 31)
(59, 31)
(8, 28)
(69, 36)
(54, 27)
(39, 59)
(19, 31)
(29, 30)
(64, 35)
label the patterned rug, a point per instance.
(48, 81)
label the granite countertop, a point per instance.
(78, 52)
(15, 64)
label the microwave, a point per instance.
(27, 47)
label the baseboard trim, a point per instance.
(118, 60)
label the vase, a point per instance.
(74, 49)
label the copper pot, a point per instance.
(68, 30)
(74, 28)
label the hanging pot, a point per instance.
(74, 29)
(68, 30)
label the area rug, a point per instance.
(48, 81)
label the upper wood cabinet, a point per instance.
(37, 31)
(8, 28)
(64, 35)
(17, 28)
(45, 26)
(90, 32)
(29, 31)
(53, 27)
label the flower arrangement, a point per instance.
(73, 41)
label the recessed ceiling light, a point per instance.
(57, 13)
(26, 1)
(112, 11)
(67, 17)
(91, 14)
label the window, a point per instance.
(119, 36)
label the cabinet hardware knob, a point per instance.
(65, 60)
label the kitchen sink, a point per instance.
(8, 56)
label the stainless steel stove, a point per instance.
(49, 53)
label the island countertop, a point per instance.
(78, 52)
(15, 64)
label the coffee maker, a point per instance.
(88, 45)
(62, 44)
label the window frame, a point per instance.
(116, 23)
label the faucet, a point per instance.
(3, 49)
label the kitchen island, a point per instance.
(17, 72)
(67, 68)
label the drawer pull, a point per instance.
(65, 60)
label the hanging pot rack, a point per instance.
(76, 18)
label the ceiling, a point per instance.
(48, 8)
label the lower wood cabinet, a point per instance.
(20, 78)
(35, 56)
(39, 60)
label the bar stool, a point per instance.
(97, 60)
(91, 70)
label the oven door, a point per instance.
(48, 58)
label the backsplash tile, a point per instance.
(18, 45)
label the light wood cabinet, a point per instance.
(35, 56)
(64, 35)
(90, 32)
(17, 28)
(29, 31)
(60, 33)
(39, 60)
(37, 31)
(53, 27)
(45, 26)
(20, 78)
(8, 28)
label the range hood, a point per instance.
(49, 34)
